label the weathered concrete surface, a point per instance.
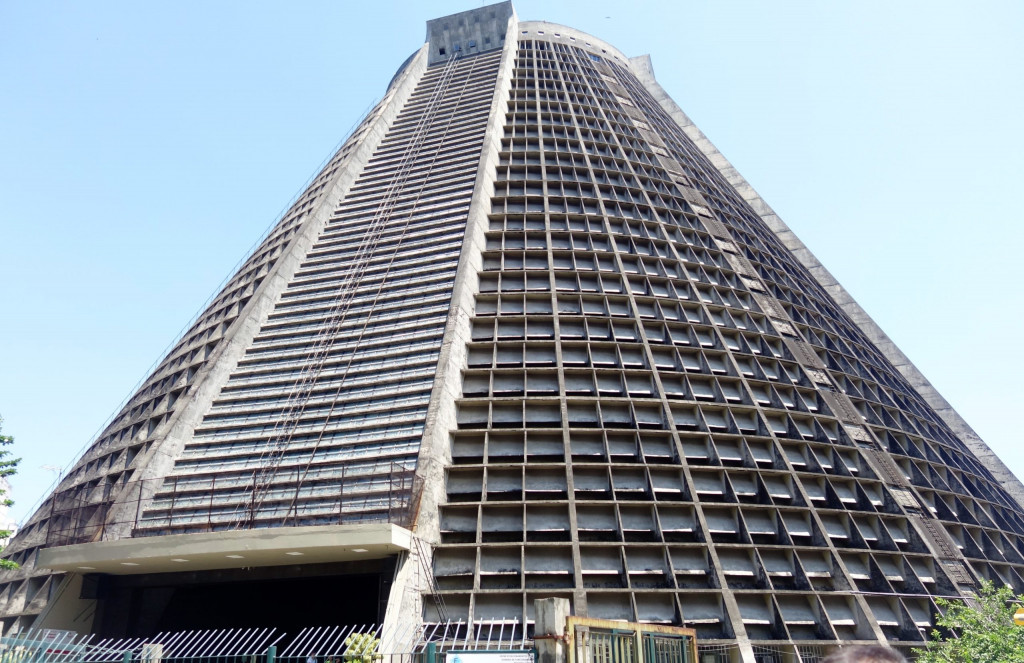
(642, 67)
(550, 616)
(172, 435)
(469, 32)
(435, 453)
(204, 551)
(67, 610)
(240, 336)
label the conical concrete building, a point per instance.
(528, 334)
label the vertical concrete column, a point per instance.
(549, 629)
(152, 652)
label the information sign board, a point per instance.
(491, 656)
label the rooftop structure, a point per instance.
(528, 334)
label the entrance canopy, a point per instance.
(228, 550)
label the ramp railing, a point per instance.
(406, 642)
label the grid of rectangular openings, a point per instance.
(661, 408)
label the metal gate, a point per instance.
(408, 642)
(664, 648)
(606, 641)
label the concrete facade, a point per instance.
(531, 331)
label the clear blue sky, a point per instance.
(145, 146)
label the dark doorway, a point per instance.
(286, 598)
(286, 604)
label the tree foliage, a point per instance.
(361, 648)
(980, 632)
(8, 466)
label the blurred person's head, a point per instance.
(865, 654)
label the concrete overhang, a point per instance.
(230, 550)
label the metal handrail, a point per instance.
(187, 504)
(184, 330)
